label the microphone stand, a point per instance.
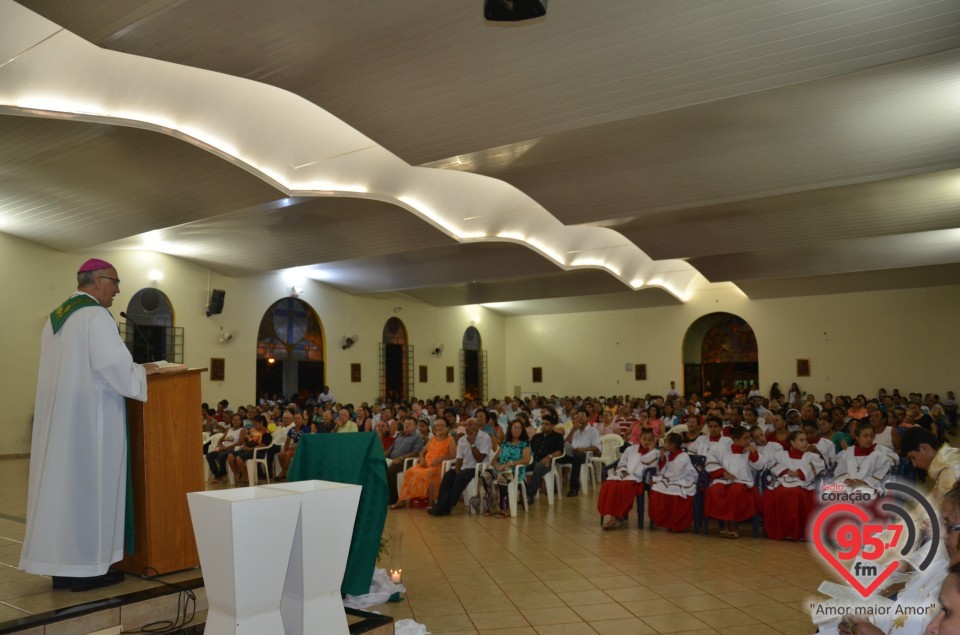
(142, 335)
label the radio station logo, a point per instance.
(864, 537)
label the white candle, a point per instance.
(395, 576)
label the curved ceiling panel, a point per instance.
(298, 148)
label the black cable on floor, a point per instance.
(186, 609)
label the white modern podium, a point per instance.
(273, 556)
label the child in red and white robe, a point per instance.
(732, 496)
(823, 446)
(714, 438)
(673, 488)
(864, 465)
(788, 505)
(625, 481)
(770, 452)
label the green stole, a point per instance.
(58, 317)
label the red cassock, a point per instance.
(617, 497)
(788, 507)
(786, 511)
(734, 501)
(671, 512)
(672, 493)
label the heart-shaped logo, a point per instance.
(858, 542)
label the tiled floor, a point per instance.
(552, 570)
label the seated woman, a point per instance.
(257, 437)
(289, 448)
(792, 499)
(514, 451)
(779, 434)
(217, 457)
(625, 482)
(732, 496)
(383, 432)
(669, 418)
(423, 479)
(655, 421)
(639, 425)
(673, 488)
(857, 410)
(886, 435)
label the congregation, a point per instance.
(735, 457)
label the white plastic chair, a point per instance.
(517, 486)
(260, 457)
(407, 464)
(214, 439)
(610, 445)
(552, 481)
(473, 487)
(586, 473)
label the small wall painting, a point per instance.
(218, 368)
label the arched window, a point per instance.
(473, 366)
(149, 332)
(396, 361)
(290, 350)
(719, 356)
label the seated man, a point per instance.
(581, 439)
(472, 448)
(406, 446)
(927, 452)
(545, 445)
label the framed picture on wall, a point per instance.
(640, 372)
(449, 374)
(803, 368)
(423, 374)
(218, 368)
(537, 374)
(355, 373)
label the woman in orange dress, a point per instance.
(423, 479)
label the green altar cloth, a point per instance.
(355, 458)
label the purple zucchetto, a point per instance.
(94, 264)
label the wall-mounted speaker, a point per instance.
(216, 302)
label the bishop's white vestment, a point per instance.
(78, 458)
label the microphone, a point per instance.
(140, 333)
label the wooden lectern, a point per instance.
(166, 463)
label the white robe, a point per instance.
(810, 465)
(677, 478)
(702, 445)
(740, 465)
(828, 451)
(78, 458)
(634, 462)
(871, 469)
(771, 453)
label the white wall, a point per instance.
(855, 343)
(37, 280)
